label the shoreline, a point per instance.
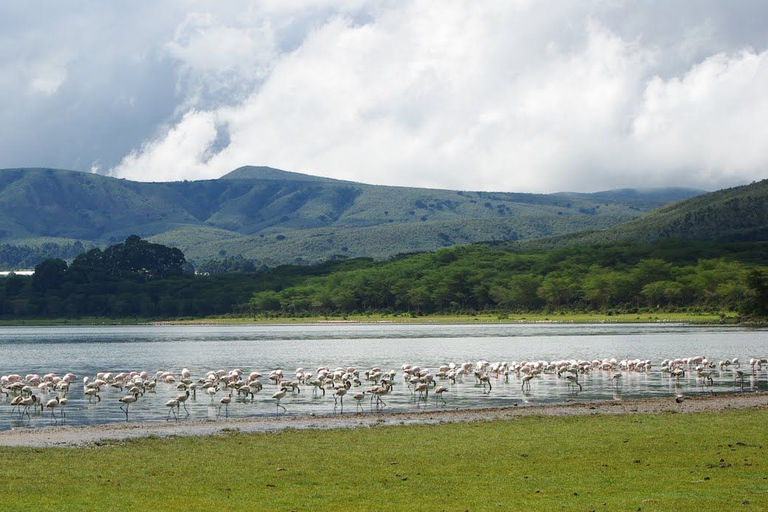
(725, 318)
(79, 436)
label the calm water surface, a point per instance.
(88, 350)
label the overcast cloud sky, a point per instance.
(505, 95)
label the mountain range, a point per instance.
(277, 217)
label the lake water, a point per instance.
(86, 351)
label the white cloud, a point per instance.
(708, 121)
(520, 95)
(180, 155)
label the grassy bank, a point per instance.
(487, 318)
(690, 318)
(601, 462)
(56, 322)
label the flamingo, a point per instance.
(279, 396)
(316, 384)
(573, 379)
(53, 404)
(439, 390)
(740, 377)
(182, 399)
(172, 404)
(91, 393)
(527, 381)
(358, 399)
(379, 391)
(127, 400)
(423, 389)
(485, 380)
(26, 402)
(225, 401)
(16, 403)
(338, 395)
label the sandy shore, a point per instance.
(88, 435)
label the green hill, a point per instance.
(276, 217)
(738, 214)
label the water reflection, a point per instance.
(87, 351)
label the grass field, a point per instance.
(714, 461)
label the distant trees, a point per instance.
(49, 274)
(481, 278)
(137, 278)
(135, 258)
(757, 304)
(97, 283)
(229, 264)
(26, 256)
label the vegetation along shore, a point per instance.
(142, 280)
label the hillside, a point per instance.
(738, 214)
(276, 217)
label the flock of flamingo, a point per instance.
(45, 395)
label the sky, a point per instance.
(496, 95)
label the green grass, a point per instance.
(54, 322)
(688, 318)
(639, 462)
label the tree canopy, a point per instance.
(135, 258)
(137, 278)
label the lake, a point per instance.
(85, 351)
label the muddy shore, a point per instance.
(66, 436)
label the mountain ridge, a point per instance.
(275, 216)
(735, 214)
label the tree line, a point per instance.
(618, 277)
(137, 278)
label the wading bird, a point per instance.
(279, 396)
(225, 401)
(173, 405)
(126, 401)
(439, 390)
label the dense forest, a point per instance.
(613, 278)
(137, 278)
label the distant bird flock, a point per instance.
(49, 395)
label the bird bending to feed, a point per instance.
(573, 380)
(740, 377)
(485, 380)
(439, 390)
(359, 399)
(92, 393)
